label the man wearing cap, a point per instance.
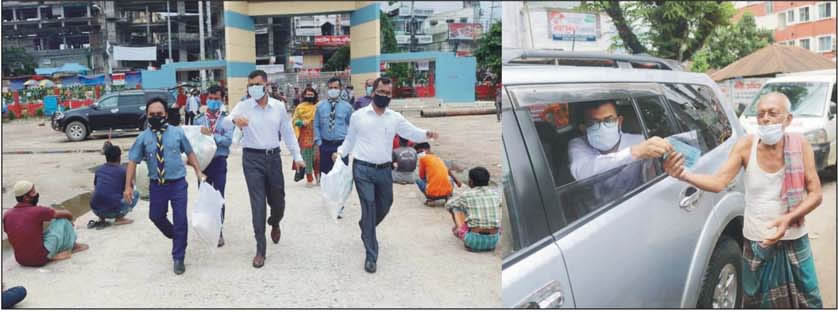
(24, 225)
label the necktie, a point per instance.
(161, 169)
(332, 116)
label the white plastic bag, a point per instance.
(141, 180)
(237, 136)
(203, 145)
(206, 216)
(336, 186)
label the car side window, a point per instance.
(108, 102)
(695, 107)
(586, 179)
(131, 100)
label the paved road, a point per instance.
(318, 263)
(821, 226)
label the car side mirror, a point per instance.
(95, 105)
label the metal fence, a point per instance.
(287, 81)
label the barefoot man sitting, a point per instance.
(25, 226)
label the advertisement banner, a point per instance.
(314, 31)
(420, 39)
(566, 26)
(331, 40)
(741, 92)
(270, 69)
(135, 53)
(118, 79)
(464, 31)
(422, 65)
(296, 61)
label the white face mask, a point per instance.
(771, 134)
(333, 93)
(256, 92)
(603, 138)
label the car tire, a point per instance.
(723, 277)
(76, 131)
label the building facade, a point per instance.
(806, 24)
(556, 26)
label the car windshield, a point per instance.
(807, 98)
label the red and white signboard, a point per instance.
(331, 40)
(118, 79)
(464, 31)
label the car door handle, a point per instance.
(548, 297)
(689, 197)
(115, 110)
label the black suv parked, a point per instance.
(117, 110)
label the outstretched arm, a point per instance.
(674, 166)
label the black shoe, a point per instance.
(340, 213)
(221, 240)
(179, 267)
(369, 266)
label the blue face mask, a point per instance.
(213, 105)
(603, 138)
(256, 92)
(369, 90)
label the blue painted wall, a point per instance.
(455, 78)
(166, 77)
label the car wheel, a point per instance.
(722, 288)
(76, 131)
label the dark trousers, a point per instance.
(190, 118)
(327, 148)
(216, 173)
(263, 175)
(375, 189)
(159, 197)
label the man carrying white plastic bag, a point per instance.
(206, 216)
(336, 186)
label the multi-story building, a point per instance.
(401, 14)
(806, 24)
(55, 32)
(441, 26)
(316, 38)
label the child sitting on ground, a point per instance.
(109, 182)
(476, 213)
(435, 179)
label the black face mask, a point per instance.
(309, 99)
(381, 101)
(156, 122)
(34, 200)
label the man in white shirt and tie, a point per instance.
(370, 140)
(192, 106)
(264, 121)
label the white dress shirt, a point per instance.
(193, 104)
(266, 125)
(370, 136)
(586, 161)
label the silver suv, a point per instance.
(602, 242)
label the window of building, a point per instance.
(769, 7)
(804, 14)
(825, 43)
(781, 19)
(825, 10)
(790, 17)
(464, 20)
(790, 43)
(804, 43)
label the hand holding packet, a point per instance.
(685, 143)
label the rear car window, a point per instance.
(695, 107)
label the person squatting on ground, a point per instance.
(161, 145)
(476, 213)
(435, 181)
(304, 130)
(262, 121)
(109, 182)
(216, 124)
(781, 188)
(24, 225)
(404, 163)
(370, 140)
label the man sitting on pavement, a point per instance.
(109, 182)
(404, 163)
(24, 224)
(435, 179)
(476, 213)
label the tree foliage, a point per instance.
(339, 60)
(668, 29)
(730, 43)
(488, 52)
(17, 62)
(398, 71)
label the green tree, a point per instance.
(389, 44)
(488, 50)
(668, 29)
(16, 62)
(339, 60)
(730, 43)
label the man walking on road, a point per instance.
(213, 123)
(192, 105)
(331, 121)
(367, 98)
(160, 146)
(262, 119)
(781, 188)
(370, 140)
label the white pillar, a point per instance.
(201, 43)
